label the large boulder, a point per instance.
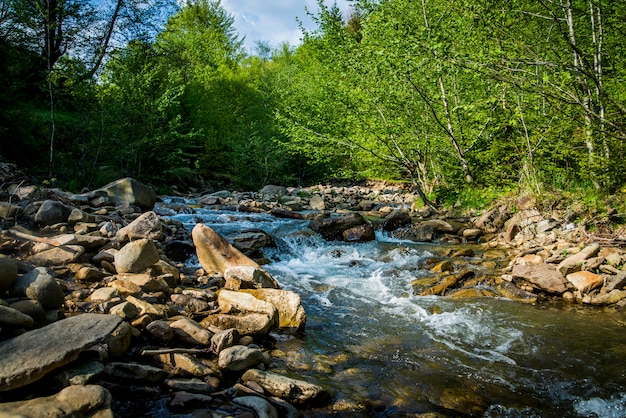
(136, 256)
(396, 219)
(30, 356)
(52, 212)
(39, 285)
(291, 314)
(541, 276)
(131, 191)
(215, 253)
(333, 228)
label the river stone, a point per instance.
(215, 253)
(52, 212)
(251, 241)
(190, 332)
(333, 228)
(510, 291)
(134, 372)
(8, 210)
(39, 285)
(78, 215)
(241, 357)
(585, 281)
(291, 314)
(240, 302)
(146, 308)
(190, 303)
(130, 191)
(13, 318)
(146, 282)
(292, 390)
(103, 294)
(273, 191)
(574, 262)
(136, 256)
(396, 219)
(118, 340)
(8, 273)
(190, 385)
(261, 407)
(360, 233)
(125, 310)
(89, 274)
(224, 339)
(256, 324)
(147, 225)
(30, 356)
(73, 401)
(317, 203)
(543, 276)
(33, 309)
(610, 298)
(160, 330)
(176, 362)
(57, 256)
(248, 277)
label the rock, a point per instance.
(333, 228)
(130, 191)
(585, 281)
(510, 291)
(125, 310)
(89, 275)
(30, 356)
(417, 233)
(176, 362)
(273, 191)
(241, 357)
(261, 407)
(192, 401)
(610, 298)
(52, 212)
(190, 385)
(248, 277)
(251, 241)
(145, 308)
(617, 282)
(39, 285)
(147, 225)
(215, 253)
(33, 309)
(134, 372)
(8, 211)
(396, 219)
(12, 318)
(292, 390)
(573, 263)
(256, 324)
(543, 276)
(224, 339)
(57, 256)
(360, 233)
(77, 216)
(317, 203)
(146, 282)
(8, 273)
(103, 294)
(118, 340)
(472, 234)
(136, 256)
(73, 401)
(177, 250)
(190, 332)
(160, 330)
(190, 303)
(291, 314)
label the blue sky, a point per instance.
(273, 21)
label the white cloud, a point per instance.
(273, 21)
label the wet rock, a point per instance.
(333, 228)
(360, 233)
(248, 277)
(190, 332)
(13, 318)
(146, 308)
(261, 407)
(52, 212)
(147, 225)
(585, 281)
(616, 282)
(134, 372)
(215, 253)
(396, 219)
(177, 362)
(417, 233)
(73, 401)
(118, 340)
(136, 256)
(610, 298)
(241, 357)
(39, 285)
(542, 276)
(510, 291)
(292, 390)
(472, 234)
(129, 190)
(190, 385)
(441, 287)
(8, 273)
(251, 241)
(78, 216)
(291, 314)
(574, 262)
(30, 356)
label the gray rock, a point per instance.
(224, 339)
(148, 225)
(333, 228)
(39, 285)
(30, 356)
(33, 309)
(261, 407)
(190, 385)
(190, 332)
(130, 191)
(176, 362)
(73, 401)
(396, 219)
(241, 357)
(12, 318)
(273, 191)
(248, 277)
(160, 330)
(52, 212)
(57, 256)
(573, 263)
(134, 372)
(293, 390)
(543, 276)
(125, 310)
(136, 256)
(317, 202)
(8, 273)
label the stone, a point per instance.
(273, 191)
(472, 234)
(193, 385)
(191, 304)
(359, 233)
(146, 282)
(39, 285)
(261, 407)
(248, 277)
(176, 362)
(33, 309)
(8, 210)
(125, 310)
(73, 401)
(396, 219)
(8, 273)
(146, 308)
(13, 318)
(160, 330)
(190, 332)
(617, 282)
(251, 241)
(192, 401)
(57, 256)
(585, 281)
(256, 324)
(30, 356)
(574, 262)
(543, 276)
(224, 339)
(317, 202)
(510, 291)
(136, 256)
(52, 212)
(240, 357)
(103, 294)
(147, 225)
(177, 250)
(332, 229)
(294, 391)
(291, 314)
(215, 253)
(89, 275)
(610, 298)
(134, 372)
(118, 340)
(417, 233)
(79, 216)
(130, 191)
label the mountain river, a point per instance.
(384, 352)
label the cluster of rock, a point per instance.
(97, 318)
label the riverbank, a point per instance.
(167, 326)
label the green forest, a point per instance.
(457, 97)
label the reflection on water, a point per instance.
(383, 351)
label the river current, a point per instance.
(383, 351)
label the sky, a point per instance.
(273, 21)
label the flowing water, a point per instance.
(383, 351)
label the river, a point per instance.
(384, 352)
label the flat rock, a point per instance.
(543, 276)
(57, 256)
(291, 314)
(131, 191)
(215, 253)
(574, 262)
(585, 280)
(30, 356)
(292, 390)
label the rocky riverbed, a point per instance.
(99, 315)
